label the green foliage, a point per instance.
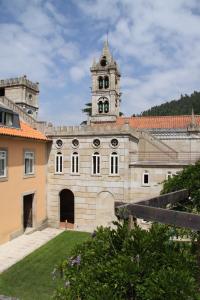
(188, 178)
(31, 277)
(183, 106)
(129, 264)
(88, 109)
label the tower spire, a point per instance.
(106, 50)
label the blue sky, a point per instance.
(155, 42)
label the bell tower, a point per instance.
(105, 88)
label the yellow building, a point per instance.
(23, 160)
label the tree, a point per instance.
(183, 106)
(188, 178)
(88, 109)
(120, 263)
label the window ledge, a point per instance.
(58, 173)
(96, 175)
(28, 176)
(112, 175)
(145, 185)
(73, 174)
(3, 179)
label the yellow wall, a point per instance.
(17, 184)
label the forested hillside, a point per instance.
(183, 106)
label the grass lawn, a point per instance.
(31, 279)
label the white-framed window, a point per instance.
(169, 175)
(75, 163)
(28, 162)
(114, 164)
(96, 163)
(58, 163)
(3, 163)
(145, 178)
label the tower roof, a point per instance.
(106, 51)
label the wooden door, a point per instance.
(28, 211)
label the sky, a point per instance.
(155, 42)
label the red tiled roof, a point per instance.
(158, 121)
(25, 131)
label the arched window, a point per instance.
(75, 163)
(96, 163)
(100, 82)
(100, 107)
(58, 163)
(106, 106)
(106, 82)
(114, 164)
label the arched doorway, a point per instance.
(66, 208)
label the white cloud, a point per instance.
(35, 41)
(158, 44)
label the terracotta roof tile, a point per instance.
(25, 132)
(158, 121)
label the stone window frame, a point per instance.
(114, 160)
(57, 146)
(75, 163)
(96, 164)
(93, 144)
(169, 175)
(59, 163)
(144, 174)
(75, 146)
(5, 176)
(111, 145)
(103, 104)
(30, 174)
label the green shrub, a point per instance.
(129, 264)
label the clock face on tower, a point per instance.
(103, 61)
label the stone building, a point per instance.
(111, 158)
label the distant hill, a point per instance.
(183, 106)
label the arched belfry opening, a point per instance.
(67, 207)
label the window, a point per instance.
(28, 162)
(96, 164)
(106, 106)
(103, 105)
(103, 61)
(114, 143)
(2, 92)
(59, 143)
(100, 82)
(75, 143)
(1, 117)
(96, 143)
(3, 170)
(59, 163)
(100, 107)
(114, 164)
(145, 178)
(75, 163)
(106, 82)
(169, 175)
